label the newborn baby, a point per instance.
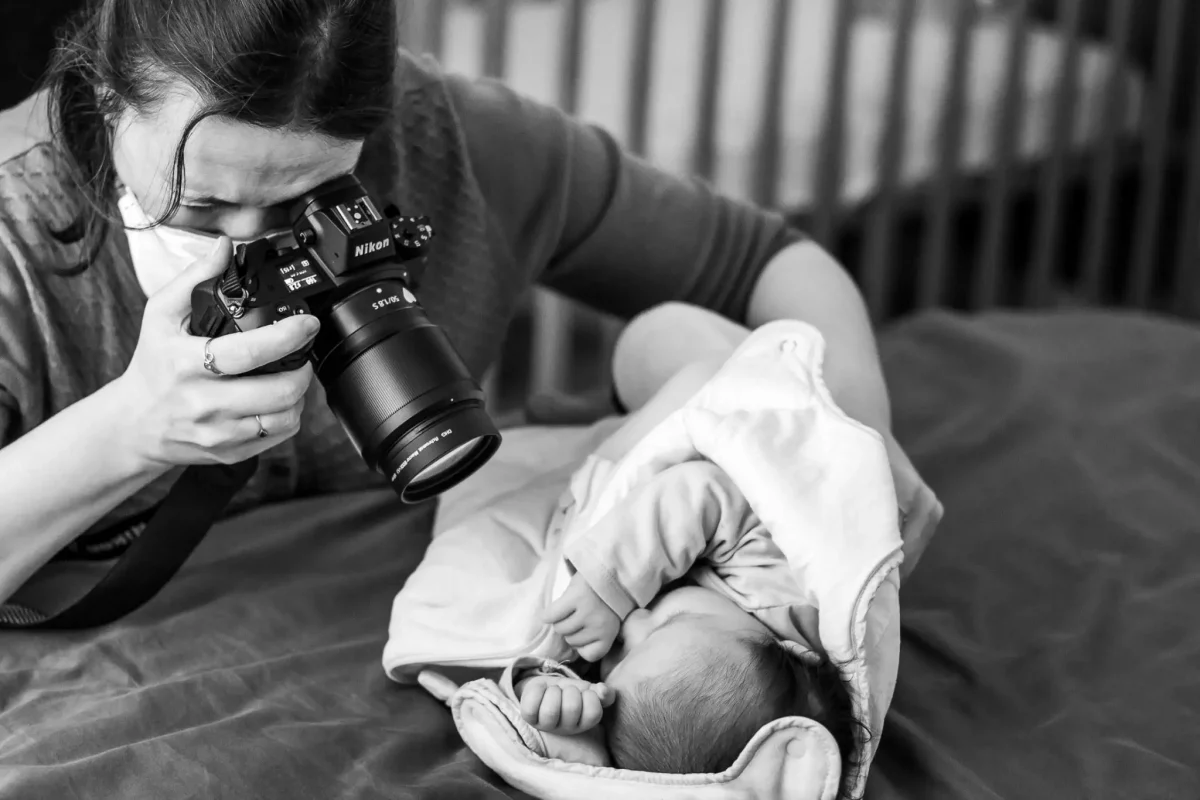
(690, 681)
(680, 600)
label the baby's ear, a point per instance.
(808, 657)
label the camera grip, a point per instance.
(211, 319)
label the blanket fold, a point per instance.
(818, 481)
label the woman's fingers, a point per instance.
(239, 353)
(924, 516)
(253, 394)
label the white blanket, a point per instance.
(819, 482)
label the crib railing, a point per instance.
(1109, 221)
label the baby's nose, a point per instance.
(636, 627)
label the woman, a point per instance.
(205, 119)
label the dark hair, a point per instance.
(321, 66)
(699, 721)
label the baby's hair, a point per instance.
(698, 719)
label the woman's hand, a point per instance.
(184, 414)
(920, 510)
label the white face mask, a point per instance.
(159, 253)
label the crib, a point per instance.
(991, 158)
(959, 153)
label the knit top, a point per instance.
(518, 193)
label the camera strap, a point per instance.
(185, 516)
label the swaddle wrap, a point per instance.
(818, 481)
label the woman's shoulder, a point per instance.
(39, 205)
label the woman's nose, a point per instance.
(246, 224)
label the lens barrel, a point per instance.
(401, 391)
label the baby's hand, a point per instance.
(584, 620)
(565, 706)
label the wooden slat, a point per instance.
(931, 287)
(765, 186)
(1186, 281)
(495, 37)
(1149, 226)
(570, 54)
(1039, 286)
(832, 146)
(987, 288)
(422, 26)
(711, 58)
(1098, 238)
(879, 268)
(554, 319)
(641, 75)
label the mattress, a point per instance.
(1049, 644)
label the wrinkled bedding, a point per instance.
(1050, 644)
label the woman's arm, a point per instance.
(804, 282)
(600, 225)
(620, 235)
(62, 477)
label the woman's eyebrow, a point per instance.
(209, 200)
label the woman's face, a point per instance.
(238, 178)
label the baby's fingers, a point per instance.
(604, 693)
(589, 648)
(593, 711)
(531, 700)
(550, 713)
(571, 626)
(570, 708)
(560, 609)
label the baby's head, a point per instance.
(696, 677)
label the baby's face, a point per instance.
(682, 623)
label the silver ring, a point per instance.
(210, 361)
(262, 432)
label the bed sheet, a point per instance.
(1049, 650)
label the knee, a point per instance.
(657, 345)
(689, 330)
(692, 376)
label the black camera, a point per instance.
(392, 377)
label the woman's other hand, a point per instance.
(184, 413)
(920, 510)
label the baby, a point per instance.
(680, 601)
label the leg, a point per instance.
(658, 343)
(662, 358)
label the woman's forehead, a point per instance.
(245, 165)
(226, 160)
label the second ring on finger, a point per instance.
(263, 426)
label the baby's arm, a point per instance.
(688, 511)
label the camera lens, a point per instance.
(402, 392)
